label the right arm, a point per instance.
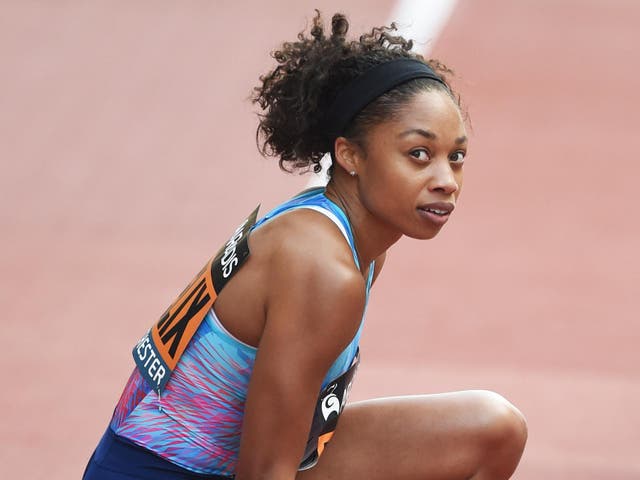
(313, 310)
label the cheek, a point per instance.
(390, 185)
(371, 180)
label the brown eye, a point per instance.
(457, 157)
(420, 154)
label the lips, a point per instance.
(436, 212)
(439, 208)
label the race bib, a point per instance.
(158, 352)
(330, 404)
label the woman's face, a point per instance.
(410, 175)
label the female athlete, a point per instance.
(246, 373)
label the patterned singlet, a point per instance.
(196, 423)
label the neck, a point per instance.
(372, 236)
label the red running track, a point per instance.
(128, 155)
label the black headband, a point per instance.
(370, 85)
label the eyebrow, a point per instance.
(425, 133)
(430, 135)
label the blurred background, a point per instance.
(127, 156)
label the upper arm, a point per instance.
(313, 310)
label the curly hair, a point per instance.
(296, 95)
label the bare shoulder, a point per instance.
(314, 287)
(300, 266)
(308, 252)
(305, 240)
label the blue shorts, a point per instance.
(115, 458)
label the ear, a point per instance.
(347, 154)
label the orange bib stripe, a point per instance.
(159, 351)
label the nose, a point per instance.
(443, 178)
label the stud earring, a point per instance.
(352, 173)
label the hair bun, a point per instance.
(296, 95)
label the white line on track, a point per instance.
(420, 20)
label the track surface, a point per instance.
(127, 156)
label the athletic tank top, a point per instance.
(196, 422)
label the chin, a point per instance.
(423, 235)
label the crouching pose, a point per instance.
(246, 374)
